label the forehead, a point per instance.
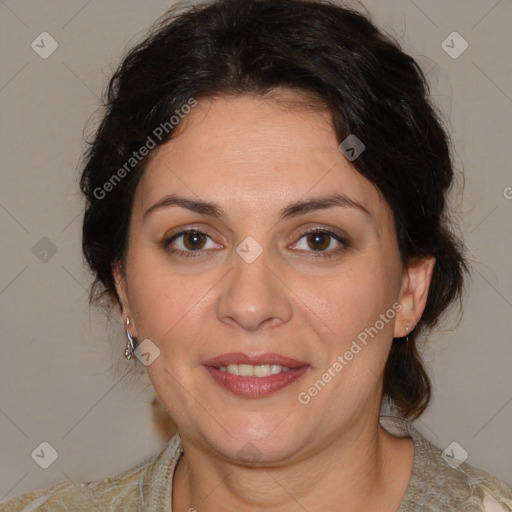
(255, 150)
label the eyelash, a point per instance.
(317, 254)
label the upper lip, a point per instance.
(254, 359)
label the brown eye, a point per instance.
(193, 240)
(321, 243)
(318, 241)
(190, 243)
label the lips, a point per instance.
(241, 358)
(254, 386)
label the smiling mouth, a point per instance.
(249, 370)
(255, 376)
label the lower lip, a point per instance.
(256, 387)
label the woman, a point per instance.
(266, 203)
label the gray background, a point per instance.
(58, 375)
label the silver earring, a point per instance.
(407, 333)
(132, 342)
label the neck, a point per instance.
(365, 468)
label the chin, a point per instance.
(256, 438)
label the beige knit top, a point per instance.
(435, 485)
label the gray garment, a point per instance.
(439, 485)
(435, 485)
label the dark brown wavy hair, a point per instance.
(331, 53)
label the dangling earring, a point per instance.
(132, 342)
(407, 331)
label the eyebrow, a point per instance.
(292, 210)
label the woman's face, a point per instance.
(250, 284)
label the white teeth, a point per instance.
(233, 369)
(262, 370)
(245, 370)
(249, 370)
(275, 368)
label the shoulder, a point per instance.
(127, 491)
(84, 496)
(441, 480)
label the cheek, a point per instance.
(166, 304)
(346, 304)
(355, 340)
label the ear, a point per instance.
(119, 275)
(413, 295)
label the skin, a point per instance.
(253, 156)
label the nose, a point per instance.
(253, 296)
